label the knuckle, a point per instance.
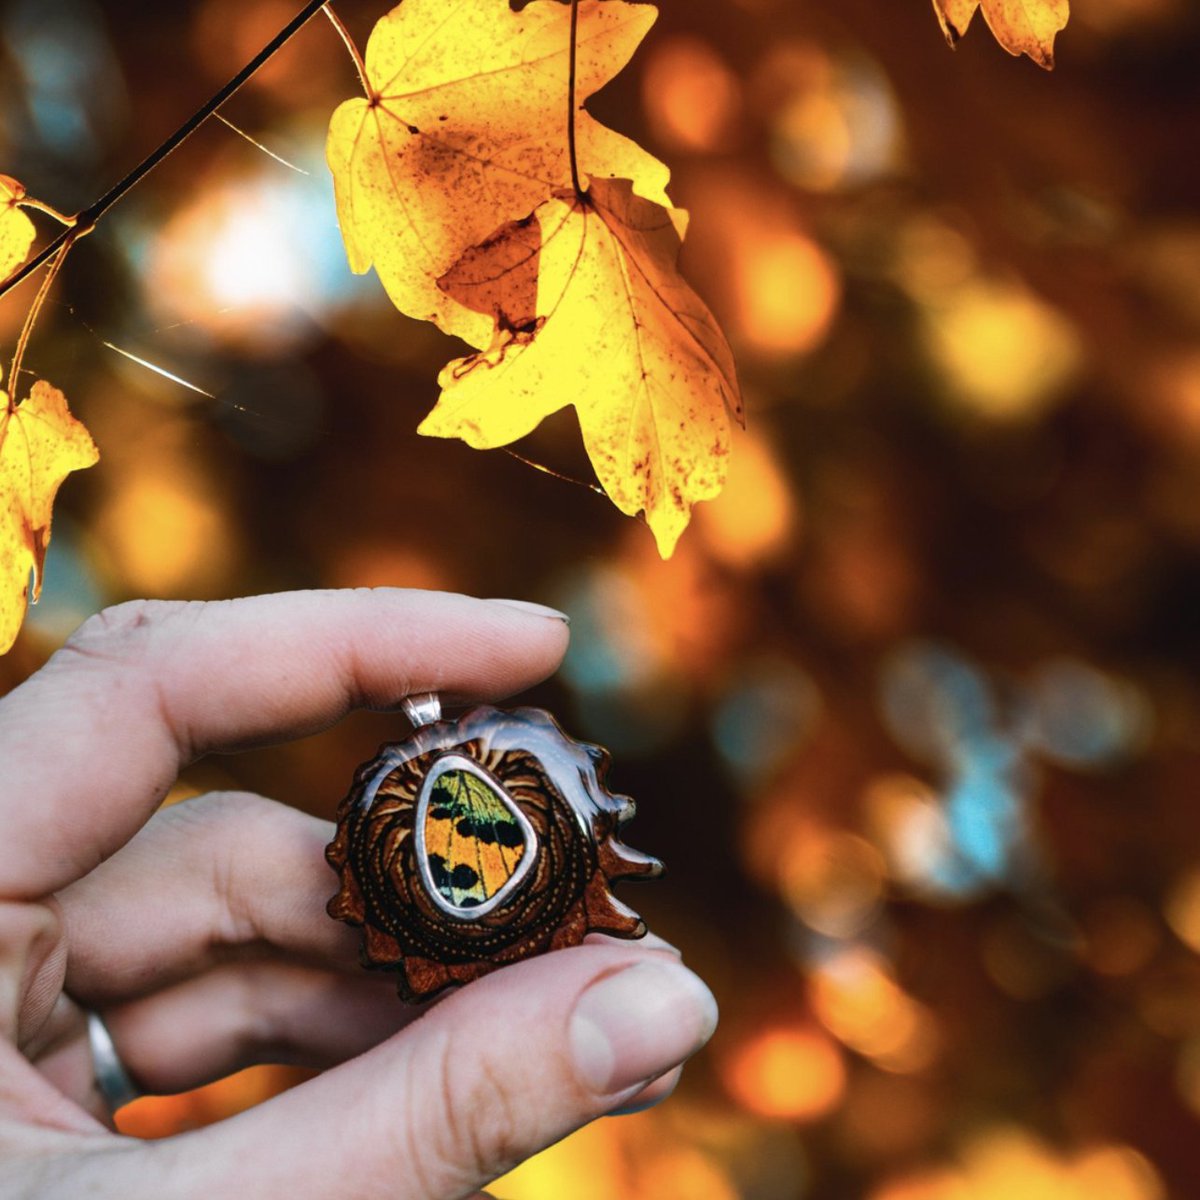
(114, 632)
(468, 1127)
(240, 919)
(221, 828)
(210, 817)
(214, 809)
(256, 1033)
(124, 644)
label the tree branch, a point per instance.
(86, 221)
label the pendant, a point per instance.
(479, 842)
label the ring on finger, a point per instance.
(111, 1077)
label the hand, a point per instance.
(199, 932)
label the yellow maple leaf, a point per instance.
(466, 130)
(40, 445)
(1021, 26)
(16, 229)
(612, 329)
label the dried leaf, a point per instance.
(954, 16)
(16, 229)
(1021, 26)
(467, 130)
(619, 335)
(40, 445)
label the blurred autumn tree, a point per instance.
(912, 712)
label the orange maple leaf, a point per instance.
(465, 129)
(589, 309)
(17, 231)
(1021, 26)
(40, 445)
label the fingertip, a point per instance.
(533, 608)
(653, 1094)
(515, 643)
(639, 1022)
(465, 648)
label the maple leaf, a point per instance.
(1021, 26)
(466, 129)
(612, 329)
(40, 445)
(17, 231)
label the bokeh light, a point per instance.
(913, 712)
(837, 125)
(796, 1074)
(859, 1002)
(252, 261)
(692, 97)
(756, 518)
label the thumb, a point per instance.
(482, 1081)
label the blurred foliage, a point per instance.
(913, 712)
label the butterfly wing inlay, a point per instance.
(474, 842)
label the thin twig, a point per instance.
(352, 49)
(14, 371)
(571, 99)
(86, 221)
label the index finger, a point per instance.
(92, 742)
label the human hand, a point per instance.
(199, 932)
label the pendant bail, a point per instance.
(424, 708)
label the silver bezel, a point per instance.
(459, 762)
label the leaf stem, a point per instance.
(571, 99)
(86, 221)
(352, 49)
(49, 210)
(32, 315)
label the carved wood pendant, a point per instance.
(478, 842)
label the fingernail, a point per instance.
(632, 1110)
(656, 1096)
(541, 610)
(631, 1027)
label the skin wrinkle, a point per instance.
(359, 693)
(422, 1154)
(495, 1141)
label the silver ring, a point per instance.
(111, 1077)
(422, 709)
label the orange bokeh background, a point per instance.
(913, 712)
